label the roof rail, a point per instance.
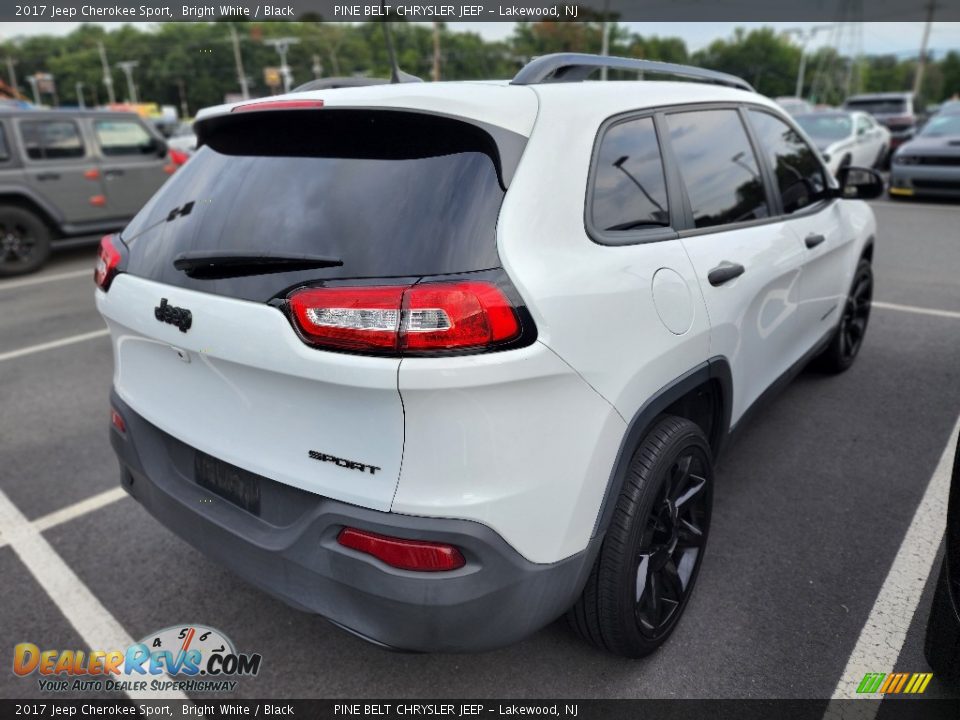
(575, 67)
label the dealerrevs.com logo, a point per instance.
(190, 658)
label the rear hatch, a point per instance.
(345, 197)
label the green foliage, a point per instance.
(199, 58)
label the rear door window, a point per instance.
(52, 139)
(718, 167)
(389, 194)
(629, 190)
(800, 177)
(123, 137)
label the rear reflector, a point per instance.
(405, 319)
(108, 260)
(280, 105)
(117, 421)
(418, 555)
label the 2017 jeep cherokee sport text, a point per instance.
(443, 362)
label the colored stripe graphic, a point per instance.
(871, 682)
(907, 683)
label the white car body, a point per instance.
(865, 145)
(522, 442)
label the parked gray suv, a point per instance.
(70, 174)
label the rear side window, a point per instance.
(629, 190)
(718, 167)
(4, 148)
(389, 194)
(123, 137)
(51, 139)
(800, 177)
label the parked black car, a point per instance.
(942, 647)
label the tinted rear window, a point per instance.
(389, 196)
(878, 106)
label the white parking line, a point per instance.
(92, 621)
(882, 637)
(40, 279)
(76, 510)
(53, 344)
(917, 310)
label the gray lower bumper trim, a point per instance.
(290, 551)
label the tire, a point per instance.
(24, 241)
(651, 540)
(846, 342)
(881, 162)
(942, 644)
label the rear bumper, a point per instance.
(291, 552)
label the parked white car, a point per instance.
(443, 362)
(847, 138)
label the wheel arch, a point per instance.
(13, 195)
(867, 253)
(702, 395)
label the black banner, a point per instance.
(900, 709)
(478, 10)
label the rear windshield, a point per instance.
(888, 106)
(388, 194)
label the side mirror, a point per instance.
(161, 147)
(859, 183)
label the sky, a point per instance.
(902, 38)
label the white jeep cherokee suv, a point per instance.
(442, 362)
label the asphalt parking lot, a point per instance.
(812, 508)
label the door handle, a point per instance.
(724, 272)
(48, 176)
(811, 241)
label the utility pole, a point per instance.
(605, 38)
(238, 61)
(436, 51)
(79, 87)
(184, 108)
(922, 60)
(804, 36)
(282, 46)
(12, 73)
(107, 75)
(127, 66)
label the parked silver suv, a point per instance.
(69, 174)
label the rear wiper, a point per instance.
(231, 263)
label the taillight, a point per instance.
(178, 157)
(418, 555)
(425, 317)
(108, 260)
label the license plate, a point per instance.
(235, 484)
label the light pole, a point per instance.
(107, 75)
(127, 66)
(282, 45)
(79, 87)
(238, 61)
(804, 36)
